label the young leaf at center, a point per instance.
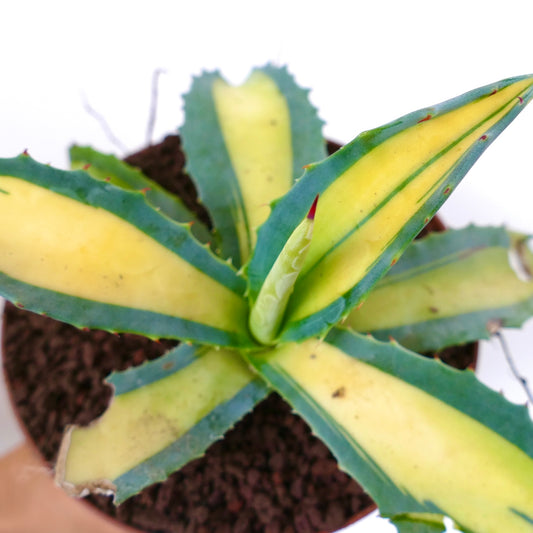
(269, 308)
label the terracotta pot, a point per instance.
(29, 501)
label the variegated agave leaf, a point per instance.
(245, 147)
(89, 253)
(376, 194)
(451, 288)
(417, 434)
(164, 414)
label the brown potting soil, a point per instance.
(268, 475)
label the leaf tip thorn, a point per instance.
(312, 211)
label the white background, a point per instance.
(366, 62)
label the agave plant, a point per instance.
(290, 292)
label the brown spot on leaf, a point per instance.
(339, 393)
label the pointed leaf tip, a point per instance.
(312, 211)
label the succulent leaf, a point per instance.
(164, 414)
(421, 437)
(450, 288)
(94, 255)
(109, 168)
(261, 134)
(376, 194)
(268, 310)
